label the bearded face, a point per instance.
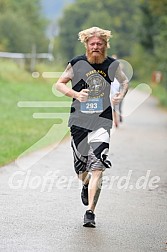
(96, 50)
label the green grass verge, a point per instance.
(160, 92)
(18, 129)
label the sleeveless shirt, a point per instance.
(97, 111)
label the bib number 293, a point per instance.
(92, 106)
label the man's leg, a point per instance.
(84, 176)
(91, 188)
(115, 116)
(120, 111)
(94, 188)
(80, 148)
(99, 146)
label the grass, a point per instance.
(160, 92)
(19, 130)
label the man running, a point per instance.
(90, 119)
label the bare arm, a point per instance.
(61, 86)
(123, 80)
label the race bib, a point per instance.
(94, 105)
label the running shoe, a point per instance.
(89, 219)
(84, 195)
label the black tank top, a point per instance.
(97, 111)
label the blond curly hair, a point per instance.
(84, 35)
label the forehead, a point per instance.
(95, 39)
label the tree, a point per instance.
(119, 17)
(153, 31)
(21, 25)
(146, 28)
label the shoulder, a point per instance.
(76, 59)
(113, 62)
(110, 59)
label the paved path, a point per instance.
(41, 209)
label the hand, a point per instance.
(82, 96)
(117, 98)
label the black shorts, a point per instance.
(90, 149)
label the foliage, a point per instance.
(117, 16)
(160, 92)
(153, 32)
(21, 26)
(138, 27)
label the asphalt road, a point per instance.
(41, 210)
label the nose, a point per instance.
(95, 45)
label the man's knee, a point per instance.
(97, 173)
(97, 177)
